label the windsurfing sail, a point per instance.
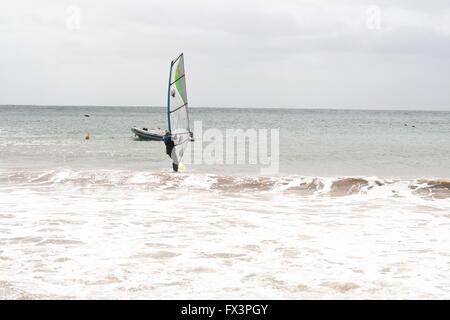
(177, 107)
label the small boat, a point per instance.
(148, 134)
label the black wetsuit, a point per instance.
(169, 147)
(169, 144)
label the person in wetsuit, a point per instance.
(170, 150)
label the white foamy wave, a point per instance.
(371, 187)
(9, 292)
(132, 235)
(140, 244)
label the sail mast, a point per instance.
(168, 97)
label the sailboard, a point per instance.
(177, 108)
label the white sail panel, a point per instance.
(178, 107)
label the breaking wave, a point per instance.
(9, 292)
(227, 184)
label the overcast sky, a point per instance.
(255, 53)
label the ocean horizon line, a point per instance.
(230, 107)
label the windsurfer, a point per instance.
(170, 150)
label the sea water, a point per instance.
(359, 208)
